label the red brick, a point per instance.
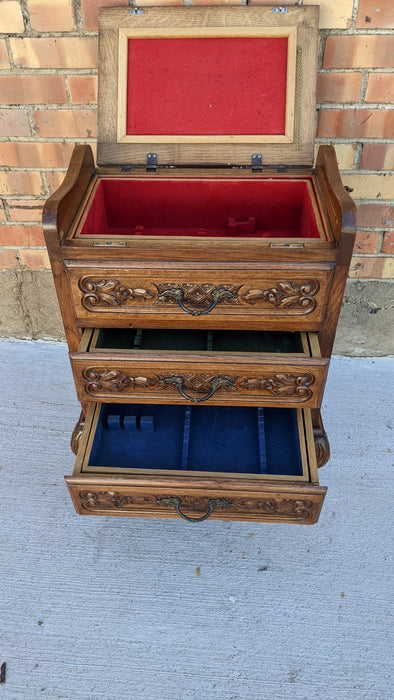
(35, 155)
(367, 242)
(49, 16)
(355, 123)
(90, 10)
(21, 235)
(32, 89)
(34, 259)
(14, 122)
(388, 242)
(338, 87)
(361, 51)
(388, 268)
(55, 52)
(364, 267)
(370, 186)
(345, 153)
(83, 89)
(375, 14)
(67, 123)
(11, 20)
(8, 259)
(54, 179)
(380, 87)
(4, 61)
(333, 14)
(375, 215)
(2, 213)
(21, 183)
(25, 209)
(377, 156)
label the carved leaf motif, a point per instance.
(77, 432)
(96, 293)
(109, 500)
(322, 446)
(286, 507)
(140, 294)
(283, 385)
(253, 295)
(113, 380)
(286, 295)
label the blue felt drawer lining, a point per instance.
(243, 440)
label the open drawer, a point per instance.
(228, 463)
(195, 366)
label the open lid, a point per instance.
(207, 85)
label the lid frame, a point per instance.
(295, 147)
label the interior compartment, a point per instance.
(197, 340)
(240, 440)
(200, 207)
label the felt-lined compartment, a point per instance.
(201, 207)
(197, 439)
(197, 340)
(210, 85)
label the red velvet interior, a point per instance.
(229, 208)
(206, 86)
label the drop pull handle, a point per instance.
(212, 505)
(218, 294)
(178, 381)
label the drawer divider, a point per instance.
(186, 438)
(137, 345)
(261, 438)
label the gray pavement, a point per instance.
(109, 608)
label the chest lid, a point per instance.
(207, 85)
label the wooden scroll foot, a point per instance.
(322, 445)
(77, 432)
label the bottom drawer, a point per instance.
(224, 462)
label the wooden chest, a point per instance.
(200, 268)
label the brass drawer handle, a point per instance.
(217, 294)
(178, 382)
(213, 503)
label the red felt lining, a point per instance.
(206, 86)
(229, 208)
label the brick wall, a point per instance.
(48, 93)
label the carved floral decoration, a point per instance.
(286, 295)
(296, 508)
(284, 386)
(106, 294)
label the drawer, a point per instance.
(228, 463)
(285, 297)
(195, 366)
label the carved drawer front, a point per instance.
(128, 465)
(196, 366)
(294, 298)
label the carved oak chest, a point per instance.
(200, 268)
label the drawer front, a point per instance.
(275, 297)
(279, 484)
(268, 503)
(273, 381)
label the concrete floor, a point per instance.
(110, 608)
